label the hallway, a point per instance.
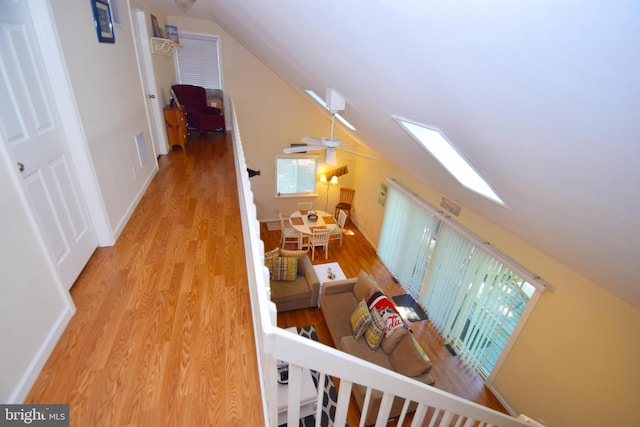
(163, 333)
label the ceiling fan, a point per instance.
(334, 103)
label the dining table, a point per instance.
(300, 222)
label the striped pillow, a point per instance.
(285, 268)
(268, 260)
(374, 333)
(360, 320)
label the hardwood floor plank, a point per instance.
(162, 333)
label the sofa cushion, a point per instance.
(409, 359)
(268, 260)
(285, 268)
(364, 286)
(360, 320)
(287, 291)
(336, 310)
(374, 333)
(390, 342)
(360, 349)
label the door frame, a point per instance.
(155, 117)
(51, 51)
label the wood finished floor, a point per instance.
(162, 335)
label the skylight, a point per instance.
(440, 148)
(324, 105)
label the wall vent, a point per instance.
(143, 155)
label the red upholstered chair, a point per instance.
(199, 114)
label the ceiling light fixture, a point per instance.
(439, 147)
(185, 5)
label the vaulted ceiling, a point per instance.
(543, 98)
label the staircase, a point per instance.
(435, 407)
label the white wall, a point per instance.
(111, 103)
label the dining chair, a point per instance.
(288, 233)
(320, 237)
(305, 206)
(336, 233)
(346, 198)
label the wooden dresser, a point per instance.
(176, 120)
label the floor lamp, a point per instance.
(333, 181)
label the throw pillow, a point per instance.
(374, 333)
(360, 320)
(409, 359)
(392, 319)
(268, 260)
(285, 268)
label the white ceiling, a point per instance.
(542, 97)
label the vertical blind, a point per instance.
(198, 62)
(471, 297)
(407, 229)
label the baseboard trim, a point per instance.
(134, 204)
(38, 361)
(504, 403)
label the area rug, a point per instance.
(273, 226)
(409, 308)
(330, 395)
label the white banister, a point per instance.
(273, 344)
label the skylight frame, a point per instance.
(436, 143)
(322, 102)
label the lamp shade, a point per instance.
(323, 179)
(334, 180)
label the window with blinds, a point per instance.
(198, 61)
(474, 299)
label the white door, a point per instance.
(147, 79)
(31, 126)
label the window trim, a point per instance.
(296, 156)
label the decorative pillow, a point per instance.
(360, 320)
(268, 260)
(285, 268)
(409, 359)
(374, 333)
(392, 319)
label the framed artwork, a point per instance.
(171, 31)
(103, 22)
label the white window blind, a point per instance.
(473, 295)
(473, 300)
(406, 240)
(198, 61)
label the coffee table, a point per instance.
(308, 394)
(322, 271)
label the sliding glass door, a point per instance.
(407, 240)
(472, 297)
(473, 300)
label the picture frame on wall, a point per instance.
(103, 21)
(171, 32)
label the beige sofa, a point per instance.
(300, 292)
(399, 351)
